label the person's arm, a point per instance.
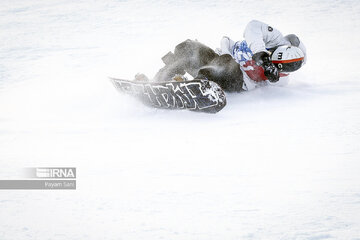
(259, 36)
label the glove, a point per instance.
(271, 72)
(263, 59)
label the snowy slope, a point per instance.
(276, 163)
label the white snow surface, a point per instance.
(275, 163)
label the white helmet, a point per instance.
(287, 58)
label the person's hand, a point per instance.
(271, 72)
(263, 59)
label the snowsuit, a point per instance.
(233, 69)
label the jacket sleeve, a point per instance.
(259, 36)
(227, 46)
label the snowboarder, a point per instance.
(264, 57)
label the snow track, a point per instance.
(275, 163)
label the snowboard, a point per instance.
(196, 95)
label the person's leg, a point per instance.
(189, 56)
(224, 71)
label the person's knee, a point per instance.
(184, 49)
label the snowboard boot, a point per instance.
(179, 78)
(140, 77)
